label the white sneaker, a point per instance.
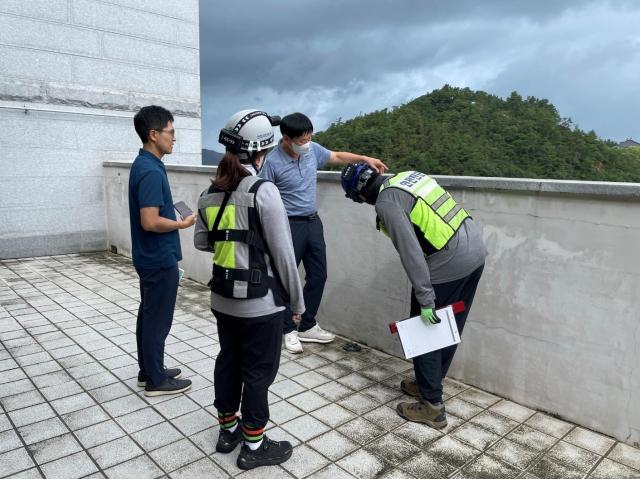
(316, 335)
(292, 343)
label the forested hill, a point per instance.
(454, 131)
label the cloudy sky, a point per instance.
(338, 58)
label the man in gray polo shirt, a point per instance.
(293, 167)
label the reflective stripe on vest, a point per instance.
(436, 216)
(239, 260)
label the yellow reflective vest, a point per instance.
(436, 217)
(235, 235)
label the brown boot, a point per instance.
(410, 387)
(423, 412)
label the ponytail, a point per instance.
(230, 172)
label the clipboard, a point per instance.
(417, 338)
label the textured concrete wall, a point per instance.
(554, 325)
(72, 74)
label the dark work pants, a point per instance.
(431, 368)
(249, 356)
(310, 248)
(158, 290)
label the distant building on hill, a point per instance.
(628, 143)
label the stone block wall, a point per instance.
(72, 74)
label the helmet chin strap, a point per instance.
(250, 159)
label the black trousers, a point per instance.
(310, 248)
(431, 368)
(158, 290)
(247, 365)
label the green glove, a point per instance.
(428, 316)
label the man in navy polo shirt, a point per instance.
(156, 249)
(293, 167)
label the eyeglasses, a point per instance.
(171, 132)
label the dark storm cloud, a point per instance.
(339, 58)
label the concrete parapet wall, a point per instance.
(554, 325)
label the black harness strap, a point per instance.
(216, 222)
(245, 236)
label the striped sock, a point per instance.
(228, 421)
(252, 436)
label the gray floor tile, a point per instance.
(29, 415)
(69, 467)
(362, 464)
(157, 436)
(9, 440)
(486, 467)
(177, 406)
(589, 440)
(308, 401)
(22, 400)
(513, 453)
(54, 448)
(333, 415)
(463, 409)
(194, 422)
(85, 417)
(304, 461)
(176, 455)
(73, 403)
(627, 455)
(475, 436)
(115, 452)
(392, 449)
(42, 430)
(612, 470)
(573, 456)
(110, 392)
(333, 445)
(16, 387)
(452, 451)
(140, 419)
(513, 411)
(124, 405)
(286, 388)
(426, 465)
(305, 427)
(526, 436)
(14, 462)
(494, 422)
(205, 468)
(359, 403)
(361, 431)
(548, 469)
(99, 433)
(549, 425)
(420, 435)
(206, 440)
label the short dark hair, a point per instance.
(149, 118)
(295, 125)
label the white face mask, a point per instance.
(301, 149)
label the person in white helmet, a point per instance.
(242, 220)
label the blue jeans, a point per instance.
(310, 248)
(431, 368)
(158, 290)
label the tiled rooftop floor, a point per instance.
(71, 407)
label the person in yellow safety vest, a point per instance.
(242, 220)
(443, 254)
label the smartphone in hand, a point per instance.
(183, 210)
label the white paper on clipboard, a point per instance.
(418, 338)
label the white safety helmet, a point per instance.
(249, 131)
